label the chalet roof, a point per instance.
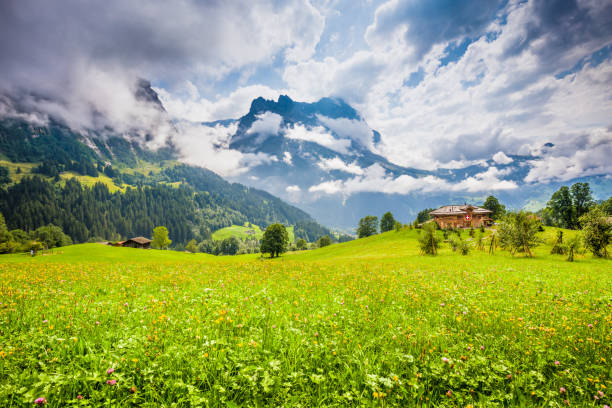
(139, 240)
(459, 209)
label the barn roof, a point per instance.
(459, 209)
(140, 240)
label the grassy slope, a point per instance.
(26, 169)
(90, 181)
(84, 253)
(240, 232)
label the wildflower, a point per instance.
(133, 390)
(45, 321)
(375, 394)
(557, 363)
(566, 402)
(111, 382)
(110, 370)
(316, 334)
(442, 305)
(79, 397)
(562, 390)
(40, 401)
(445, 360)
(482, 347)
(601, 394)
(590, 326)
(449, 393)
(97, 322)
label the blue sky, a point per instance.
(447, 83)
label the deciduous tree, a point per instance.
(160, 238)
(387, 222)
(275, 240)
(493, 204)
(518, 232)
(596, 231)
(368, 226)
(324, 241)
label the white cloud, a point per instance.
(79, 62)
(189, 105)
(580, 156)
(318, 135)
(268, 123)
(204, 146)
(287, 158)
(495, 97)
(375, 179)
(501, 158)
(357, 130)
(336, 163)
(293, 189)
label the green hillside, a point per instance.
(244, 232)
(42, 162)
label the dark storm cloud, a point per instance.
(432, 22)
(556, 26)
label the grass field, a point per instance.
(26, 169)
(243, 232)
(90, 181)
(365, 323)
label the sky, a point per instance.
(447, 83)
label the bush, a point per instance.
(324, 241)
(428, 241)
(596, 232)
(300, 244)
(558, 248)
(464, 247)
(573, 245)
(518, 233)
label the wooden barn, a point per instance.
(138, 242)
(461, 216)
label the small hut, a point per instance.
(138, 242)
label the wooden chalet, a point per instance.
(137, 242)
(461, 216)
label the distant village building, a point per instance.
(461, 216)
(138, 242)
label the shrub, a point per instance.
(558, 247)
(596, 231)
(572, 245)
(324, 241)
(518, 232)
(428, 241)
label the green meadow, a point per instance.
(246, 231)
(364, 323)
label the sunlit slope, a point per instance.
(393, 246)
(104, 253)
